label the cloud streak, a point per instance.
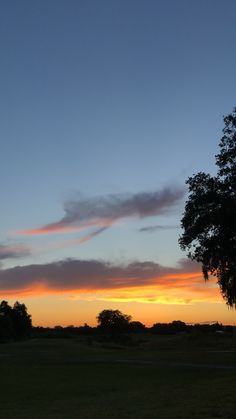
(104, 211)
(13, 251)
(79, 240)
(153, 229)
(100, 280)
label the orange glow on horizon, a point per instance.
(167, 289)
(185, 296)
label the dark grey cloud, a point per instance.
(103, 211)
(153, 229)
(87, 275)
(115, 207)
(13, 251)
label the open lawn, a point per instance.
(162, 377)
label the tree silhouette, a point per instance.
(209, 220)
(6, 323)
(113, 321)
(22, 320)
(15, 322)
(137, 327)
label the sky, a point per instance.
(107, 107)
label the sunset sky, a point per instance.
(107, 106)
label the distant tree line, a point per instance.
(15, 322)
(114, 325)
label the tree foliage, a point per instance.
(15, 322)
(136, 327)
(113, 321)
(209, 220)
(177, 326)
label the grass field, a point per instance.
(162, 377)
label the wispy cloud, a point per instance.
(103, 211)
(79, 240)
(100, 280)
(13, 251)
(153, 229)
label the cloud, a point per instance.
(153, 229)
(13, 251)
(79, 240)
(103, 211)
(100, 280)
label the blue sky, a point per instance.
(108, 97)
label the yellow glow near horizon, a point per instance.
(59, 310)
(176, 296)
(184, 296)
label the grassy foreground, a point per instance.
(163, 377)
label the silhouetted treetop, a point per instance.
(15, 322)
(113, 321)
(209, 220)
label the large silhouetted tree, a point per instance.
(15, 322)
(6, 323)
(113, 321)
(209, 220)
(22, 320)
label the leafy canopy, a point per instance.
(113, 321)
(15, 322)
(209, 219)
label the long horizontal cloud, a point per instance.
(140, 281)
(103, 211)
(13, 251)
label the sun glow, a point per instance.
(181, 289)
